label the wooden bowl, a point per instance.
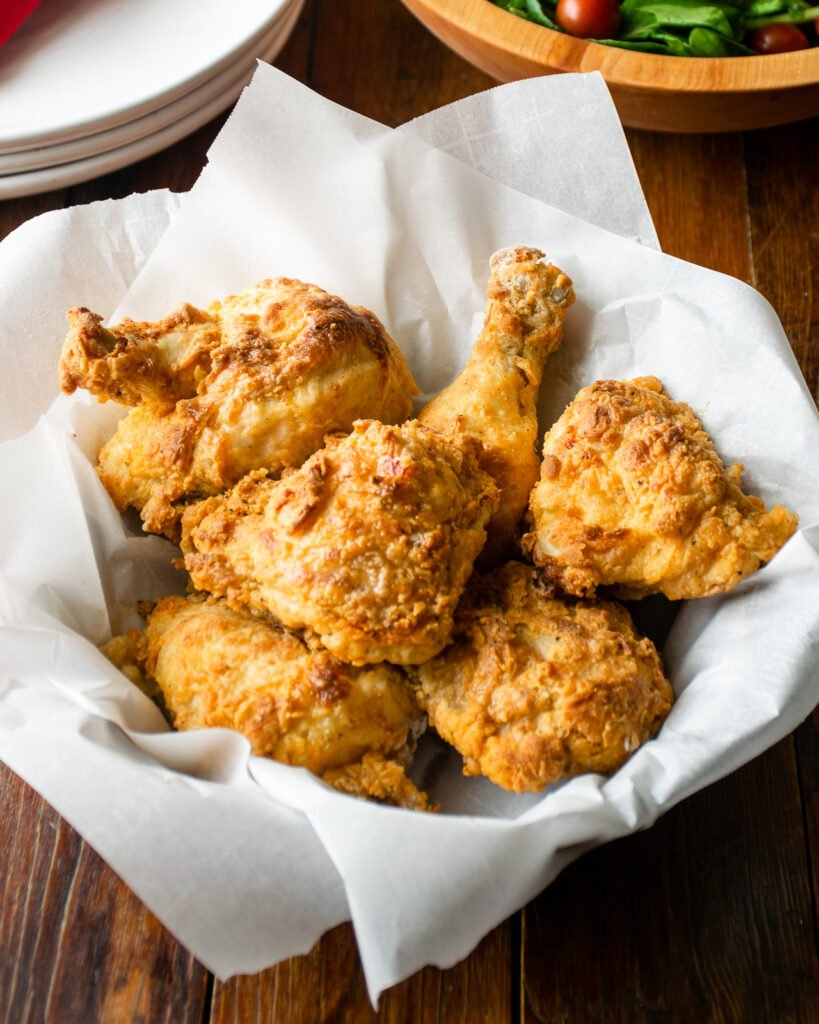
(671, 94)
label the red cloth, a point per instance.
(12, 15)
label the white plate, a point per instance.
(79, 66)
(13, 186)
(22, 161)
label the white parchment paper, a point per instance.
(248, 861)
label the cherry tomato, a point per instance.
(778, 37)
(589, 19)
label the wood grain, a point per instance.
(423, 75)
(328, 986)
(672, 94)
(807, 752)
(17, 212)
(700, 216)
(75, 943)
(784, 235)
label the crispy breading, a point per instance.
(256, 380)
(134, 363)
(633, 495)
(354, 727)
(495, 396)
(378, 779)
(536, 688)
(368, 545)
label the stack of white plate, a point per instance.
(88, 86)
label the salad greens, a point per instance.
(682, 28)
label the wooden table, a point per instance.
(710, 916)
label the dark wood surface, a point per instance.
(709, 916)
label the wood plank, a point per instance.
(784, 202)
(176, 168)
(75, 943)
(695, 189)
(376, 58)
(14, 212)
(297, 55)
(807, 751)
(328, 985)
(704, 918)
(785, 243)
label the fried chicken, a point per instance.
(355, 728)
(377, 778)
(633, 495)
(536, 688)
(256, 380)
(368, 545)
(495, 397)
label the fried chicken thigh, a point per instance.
(536, 688)
(633, 495)
(368, 545)
(356, 728)
(254, 381)
(495, 397)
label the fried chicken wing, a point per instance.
(368, 545)
(536, 688)
(257, 380)
(495, 397)
(134, 363)
(356, 728)
(633, 495)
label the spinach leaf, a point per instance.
(794, 15)
(643, 18)
(529, 10)
(536, 13)
(703, 42)
(762, 7)
(665, 43)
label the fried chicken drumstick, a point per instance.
(256, 380)
(355, 728)
(495, 397)
(536, 688)
(633, 495)
(368, 545)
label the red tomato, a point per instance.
(590, 19)
(778, 37)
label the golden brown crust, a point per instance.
(257, 380)
(495, 397)
(216, 667)
(633, 495)
(381, 780)
(135, 363)
(536, 688)
(368, 545)
(122, 651)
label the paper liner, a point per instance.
(247, 861)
